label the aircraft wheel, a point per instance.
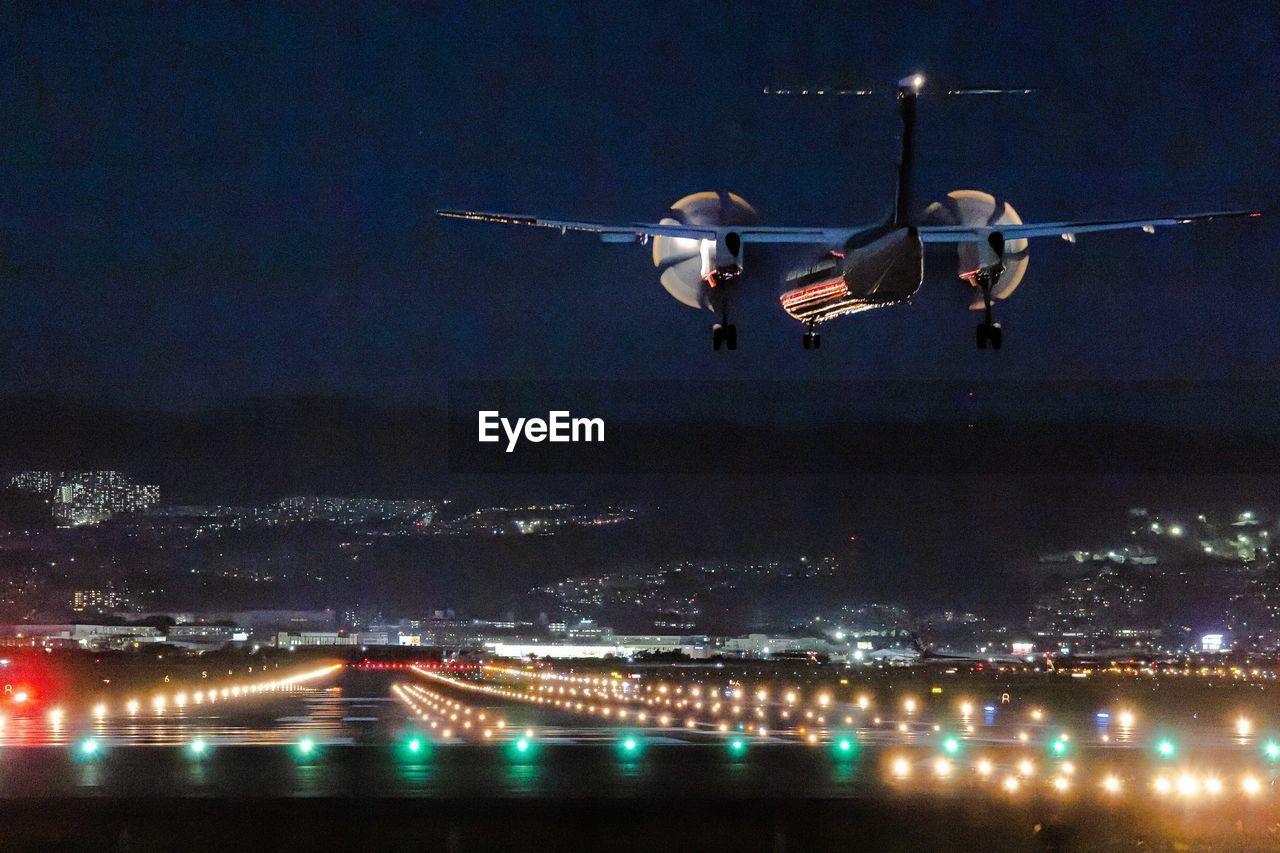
(982, 336)
(997, 336)
(717, 337)
(817, 340)
(731, 336)
(807, 340)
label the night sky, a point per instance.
(202, 204)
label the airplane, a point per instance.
(698, 247)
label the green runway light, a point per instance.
(1271, 750)
(89, 747)
(306, 745)
(1166, 748)
(522, 745)
(630, 744)
(1059, 747)
(415, 745)
(197, 747)
(951, 746)
(737, 745)
(845, 745)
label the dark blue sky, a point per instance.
(202, 201)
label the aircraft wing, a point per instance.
(638, 230)
(969, 233)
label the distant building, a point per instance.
(98, 599)
(293, 639)
(88, 497)
(207, 634)
(83, 636)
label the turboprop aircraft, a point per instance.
(698, 246)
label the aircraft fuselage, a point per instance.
(882, 266)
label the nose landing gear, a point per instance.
(812, 339)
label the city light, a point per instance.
(1111, 784)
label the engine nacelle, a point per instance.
(974, 207)
(691, 269)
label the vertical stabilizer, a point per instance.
(908, 94)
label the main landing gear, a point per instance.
(725, 335)
(985, 278)
(990, 333)
(812, 338)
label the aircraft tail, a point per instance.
(908, 94)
